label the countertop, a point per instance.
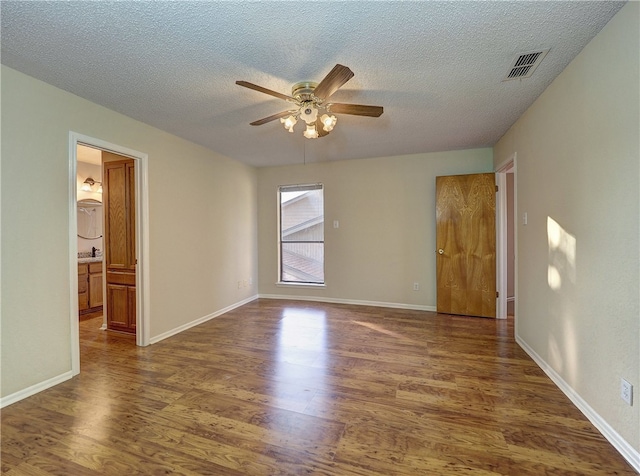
(97, 259)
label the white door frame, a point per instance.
(509, 166)
(142, 240)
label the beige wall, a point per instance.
(578, 257)
(577, 178)
(202, 219)
(386, 236)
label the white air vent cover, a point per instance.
(525, 64)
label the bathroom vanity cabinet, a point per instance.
(89, 286)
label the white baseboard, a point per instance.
(206, 318)
(39, 387)
(393, 305)
(624, 448)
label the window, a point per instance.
(301, 234)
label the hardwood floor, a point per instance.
(298, 388)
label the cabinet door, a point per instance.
(131, 215)
(83, 281)
(116, 207)
(131, 298)
(118, 307)
(83, 301)
(95, 289)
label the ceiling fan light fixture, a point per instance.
(311, 132)
(289, 122)
(328, 122)
(312, 99)
(309, 113)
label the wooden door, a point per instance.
(466, 244)
(118, 185)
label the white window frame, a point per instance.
(296, 188)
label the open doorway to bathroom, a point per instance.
(90, 235)
(89, 217)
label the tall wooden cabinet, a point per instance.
(118, 185)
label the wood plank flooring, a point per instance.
(299, 388)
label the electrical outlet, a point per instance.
(626, 391)
(416, 287)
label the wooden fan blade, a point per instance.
(332, 81)
(356, 109)
(270, 92)
(319, 128)
(273, 117)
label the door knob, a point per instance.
(440, 251)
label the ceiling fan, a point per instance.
(309, 99)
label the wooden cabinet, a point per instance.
(89, 286)
(83, 287)
(118, 185)
(95, 284)
(122, 307)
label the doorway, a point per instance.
(506, 237)
(90, 237)
(142, 242)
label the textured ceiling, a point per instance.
(435, 67)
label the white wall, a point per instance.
(202, 220)
(578, 257)
(386, 236)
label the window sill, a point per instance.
(299, 285)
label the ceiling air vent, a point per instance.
(525, 64)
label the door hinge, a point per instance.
(496, 188)
(497, 294)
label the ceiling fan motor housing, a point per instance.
(303, 91)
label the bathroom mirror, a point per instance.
(89, 219)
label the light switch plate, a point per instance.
(626, 391)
